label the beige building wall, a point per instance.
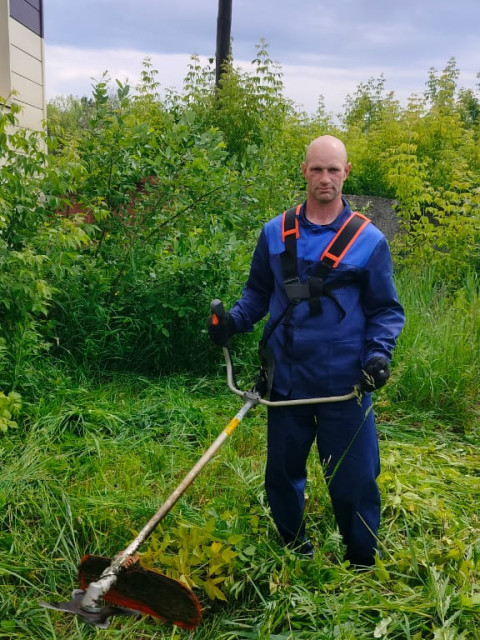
(22, 62)
(4, 49)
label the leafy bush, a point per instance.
(163, 199)
(173, 205)
(28, 188)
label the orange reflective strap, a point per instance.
(294, 230)
(336, 257)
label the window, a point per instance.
(29, 13)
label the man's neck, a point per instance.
(323, 214)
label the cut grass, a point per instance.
(70, 487)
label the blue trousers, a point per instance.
(347, 444)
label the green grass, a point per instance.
(437, 365)
(92, 460)
(87, 484)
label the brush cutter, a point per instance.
(122, 586)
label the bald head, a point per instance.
(327, 146)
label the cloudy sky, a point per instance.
(324, 48)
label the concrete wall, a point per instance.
(22, 59)
(381, 212)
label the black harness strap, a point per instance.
(343, 240)
(290, 235)
(314, 288)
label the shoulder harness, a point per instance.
(315, 287)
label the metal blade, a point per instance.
(98, 618)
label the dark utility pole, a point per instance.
(224, 25)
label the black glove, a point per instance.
(222, 330)
(375, 374)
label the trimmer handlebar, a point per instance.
(257, 399)
(218, 310)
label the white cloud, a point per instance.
(73, 71)
(70, 70)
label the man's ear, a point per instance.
(348, 166)
(304, 168)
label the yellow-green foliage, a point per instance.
(206, 556)
(196, 556)
(426, 157)
(10, 406)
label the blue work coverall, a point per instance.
(318, 355)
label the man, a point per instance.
(339, 335)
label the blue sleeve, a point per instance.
(384, 313)
(255, 300)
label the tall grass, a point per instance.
(93, 460)
(437, 365)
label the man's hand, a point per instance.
(221, 329)
(375, 374)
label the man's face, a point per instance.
(325, 170)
